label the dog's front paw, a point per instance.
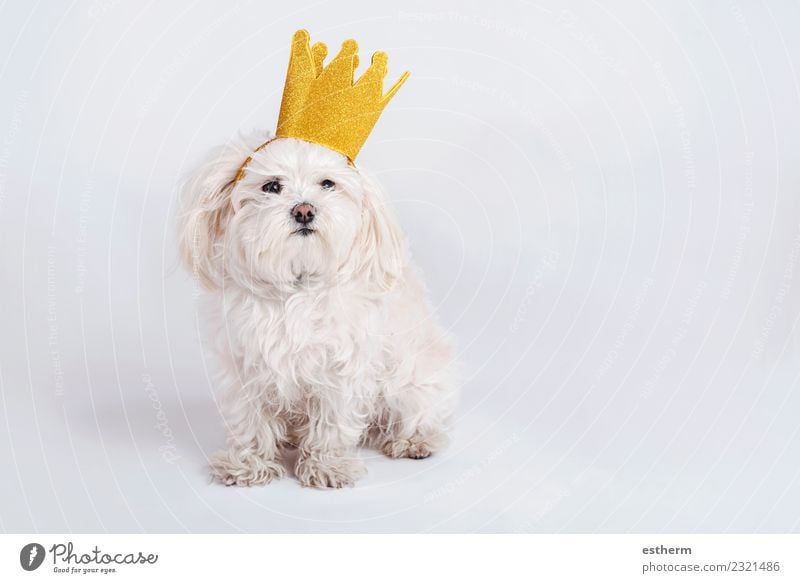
(248, 470)
(415, 448)
(316, 471)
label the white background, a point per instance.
(603, 198)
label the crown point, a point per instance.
(349, 47)
(301, 35)
(396, 87)
(380, 60)
(318, 53)
(320, 49)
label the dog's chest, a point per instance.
(314, 338)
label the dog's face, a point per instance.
(300, 211)
(297, 212)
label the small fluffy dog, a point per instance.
(326, 338)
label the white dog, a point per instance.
(325, 335)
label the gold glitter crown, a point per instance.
(323, 104)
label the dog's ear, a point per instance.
(203, 213)
(378, 250)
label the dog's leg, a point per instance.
(252, 457)
(413, 421)
(328, 444)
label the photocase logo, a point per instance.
(31, 556)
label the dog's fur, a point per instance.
(326, 340)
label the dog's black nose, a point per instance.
(303, 213)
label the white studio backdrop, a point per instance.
(604, 199)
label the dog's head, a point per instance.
(299, 211)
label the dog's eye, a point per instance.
(273, 186)
(327, 184)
